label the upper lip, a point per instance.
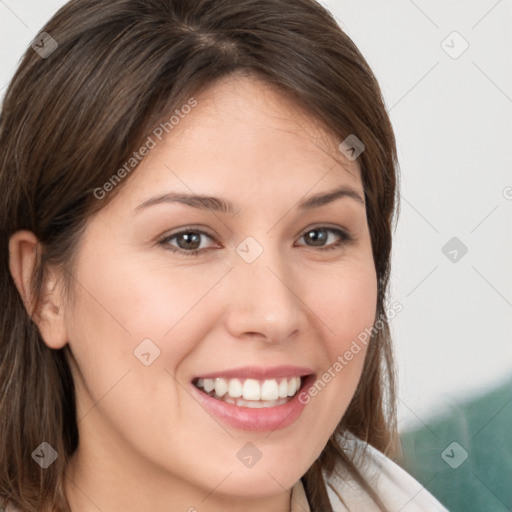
(258, 372)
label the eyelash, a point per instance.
(345, 238)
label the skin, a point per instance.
(145, 443)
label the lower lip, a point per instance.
(263, 419)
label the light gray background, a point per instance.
(453, 120)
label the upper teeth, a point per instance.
(251, 389)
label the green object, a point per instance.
(465, 458)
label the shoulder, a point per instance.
(398, 490)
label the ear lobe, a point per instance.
(49, 317)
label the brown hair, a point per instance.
(72, 117)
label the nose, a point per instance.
(264, 300)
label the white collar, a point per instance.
(394, 486)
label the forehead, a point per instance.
(244, 110)
(248, 138)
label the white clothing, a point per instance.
(398, 490)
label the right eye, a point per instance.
(188, 241)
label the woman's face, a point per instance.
(274, 292)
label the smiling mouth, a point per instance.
(251, 393)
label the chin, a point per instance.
(262, 482)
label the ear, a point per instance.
(49, 317)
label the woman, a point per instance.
(195, 238)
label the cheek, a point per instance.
(345, 302)
(346, 306)
(126, 302)
(123, 307)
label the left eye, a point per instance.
(189, 241)
(320, 235)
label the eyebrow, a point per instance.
(218, 204)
